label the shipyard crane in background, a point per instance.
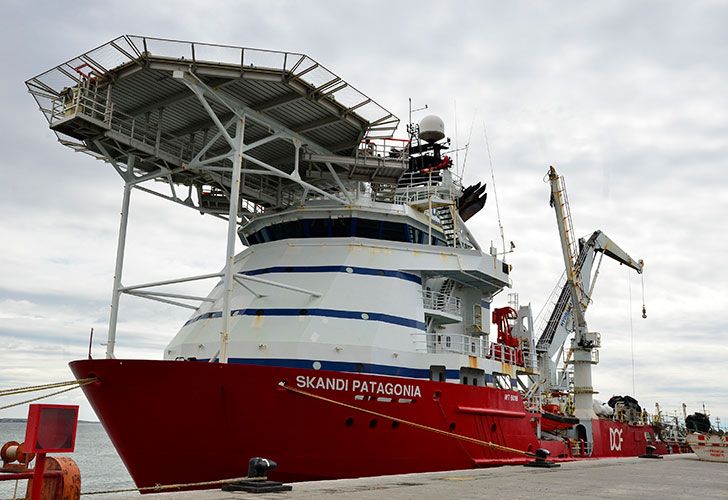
(565, 312)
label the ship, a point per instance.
(352, 335)
(708, 443)
(709, 447)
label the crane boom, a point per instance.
(556, 331)
(611, 249)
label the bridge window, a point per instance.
(344, 227)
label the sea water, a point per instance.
(100, 465)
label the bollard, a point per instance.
(258, 467)
(541, 460)
(650, 452)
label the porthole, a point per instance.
(349, 422)
(373, 423)
(395, 424)
(452, 426)
(493, 427)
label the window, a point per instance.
(343, 227)
(394, 231)
(437, 373)
(318, 228)
(472, 376)
(368, 228)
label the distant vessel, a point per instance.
(351, 337)
(709, 447)
(708, 443)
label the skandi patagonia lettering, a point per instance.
(360, 386)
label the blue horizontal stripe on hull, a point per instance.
(343, 366)
(350, 367)
(336, 269)
(329, 313)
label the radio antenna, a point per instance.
(495, 192)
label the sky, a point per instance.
(627, 99)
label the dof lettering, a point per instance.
(615, 439)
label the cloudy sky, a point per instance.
(627, 99)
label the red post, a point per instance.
(38, 476)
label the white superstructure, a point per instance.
(358, 255)
(338, 287)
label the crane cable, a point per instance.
(644, 307)
(631, 332)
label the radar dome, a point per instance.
(432, 128)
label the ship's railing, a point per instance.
(446, 303)
(433, 188)
(409, 194)
(85, 100)
(88, 101)
(388, 148)
(473, 346)
(92, 102)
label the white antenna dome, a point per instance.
(432, 128)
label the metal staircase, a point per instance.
(447, 288)
(557, 308)
(544, 321)
(532, 397)
(448, 224)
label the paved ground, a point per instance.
(676, 476)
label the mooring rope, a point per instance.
(165, 487)
(75, 385)
(435, 430)
(31, 388)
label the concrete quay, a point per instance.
(675, 476)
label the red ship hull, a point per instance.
(182, 422)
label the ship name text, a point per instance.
(360, 386)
